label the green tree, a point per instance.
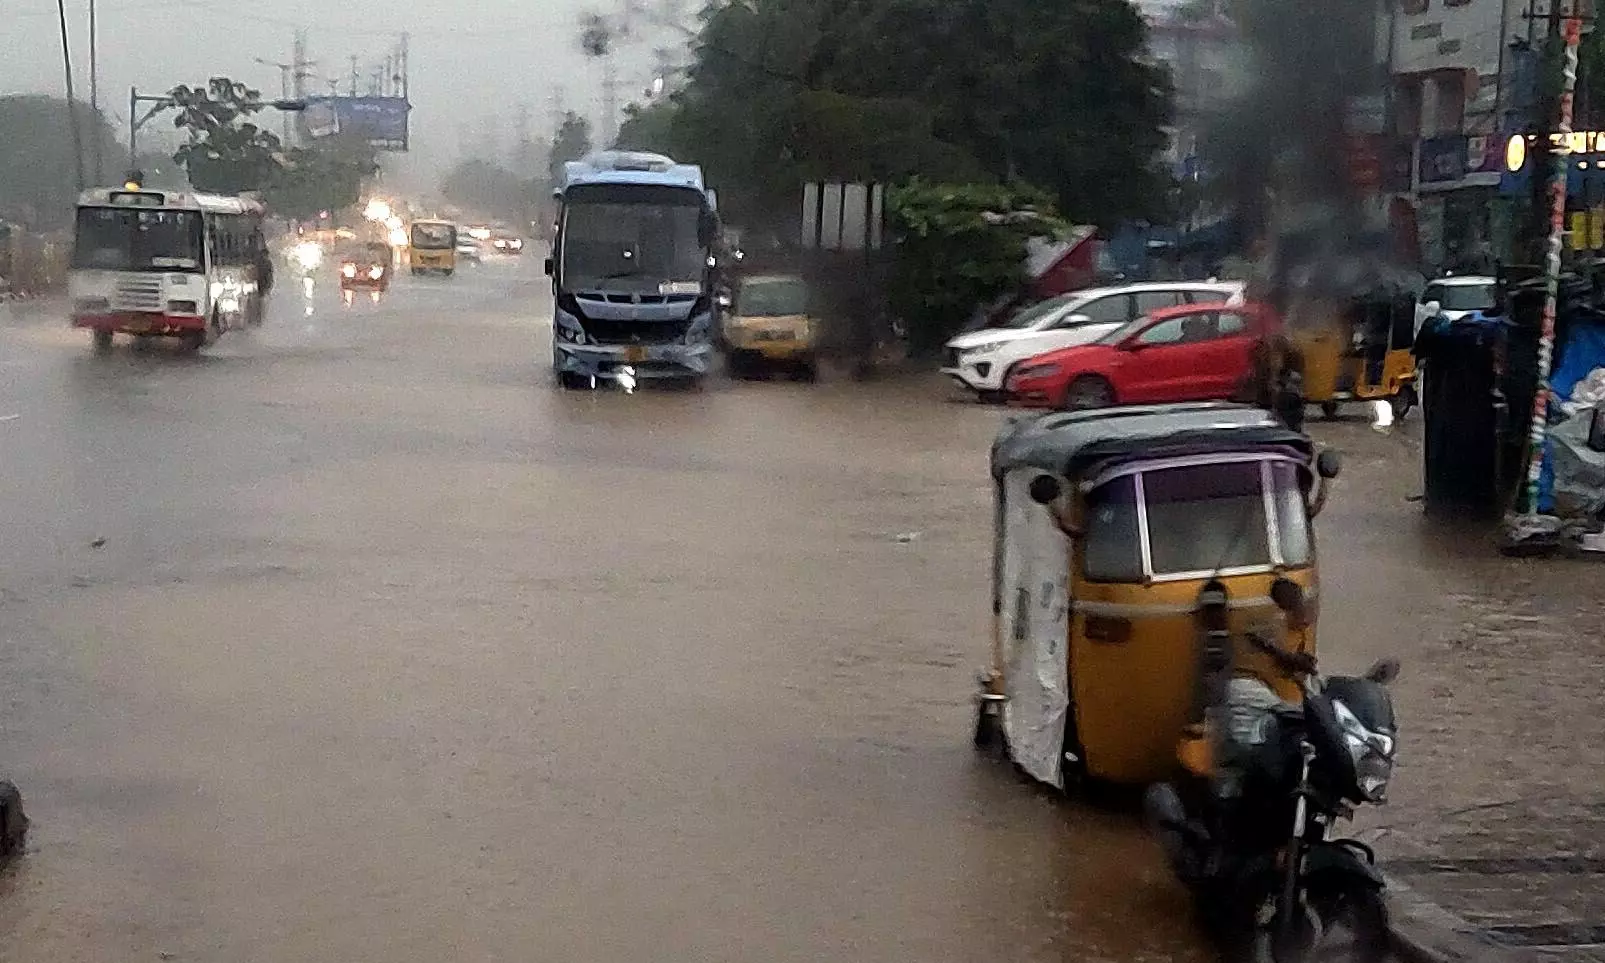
(571, 142)
(227, 152)
(38, 183)
(1050, 93)
(960, 245)
(328, 177)
(485, 187)
(648, 127)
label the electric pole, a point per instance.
(72, 100)
(94, 91)
(354, 75)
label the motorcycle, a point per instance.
(1249, 829)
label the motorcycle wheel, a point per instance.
(1347, 927)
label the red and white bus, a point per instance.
(153, 263)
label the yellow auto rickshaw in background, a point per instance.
(767, 324)
(1358, 349)
(1109, 526)
(433, 247)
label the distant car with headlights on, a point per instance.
(507, 244)
(982, 360)
(366, 266)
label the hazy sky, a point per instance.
(473, 61)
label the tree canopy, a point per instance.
(571, 142)
(228, 152)
(1053, 94)
(38, 177)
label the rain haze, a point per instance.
(472, 64)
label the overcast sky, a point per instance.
(473, 61)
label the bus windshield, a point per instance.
(124, 239)
(633, 239)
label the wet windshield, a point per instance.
(633, 238)
(1463, 297)
(1200, 518)
(433, 237)
(120, 239)
(772, 298)
(1028, 317)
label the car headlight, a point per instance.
(980, 349)
(349, 270)
(568, 335)
(1372, 753)
(1036, 371)
(183, 307)
(376, 272)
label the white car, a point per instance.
(980, 360)
(1456, 297)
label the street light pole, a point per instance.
(94, 93)
(72, 103)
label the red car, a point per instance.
(1188, 353)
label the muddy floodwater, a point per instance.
(391, 651)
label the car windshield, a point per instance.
(633, 238)
(1030, 316)
(433, 237)
(1200, 519)
(121, 239)
(1464, 297)
(772, 298)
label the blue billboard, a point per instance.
(381, 121)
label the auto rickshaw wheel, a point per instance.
(102, 341)
(1330, 409)
(193, 341)
(988, 727)
(1403, 402)
(448, 272)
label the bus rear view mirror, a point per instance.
(550, 267)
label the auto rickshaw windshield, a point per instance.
(1182, 520)
(772, 298)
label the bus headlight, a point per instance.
(183, 307)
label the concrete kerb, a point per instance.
(1424, 932)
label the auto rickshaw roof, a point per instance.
(1068, 443)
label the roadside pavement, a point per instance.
(1495, 837)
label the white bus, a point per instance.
(176, 264)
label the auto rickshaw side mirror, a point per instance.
(1383, 671)
(1328, 464)
(1045, 489)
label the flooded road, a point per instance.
(394, 652)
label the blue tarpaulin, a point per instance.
(1583, 351)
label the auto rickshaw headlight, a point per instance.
(1045, 490)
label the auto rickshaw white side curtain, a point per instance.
(1036, 567)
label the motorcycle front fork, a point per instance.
(1288, 909)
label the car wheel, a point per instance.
(1088, 391)
(102, 341)
(569, 381)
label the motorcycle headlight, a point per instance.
(309, 254)
(1372, 753)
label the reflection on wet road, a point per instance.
(394, 652)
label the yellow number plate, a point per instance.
(635, 354)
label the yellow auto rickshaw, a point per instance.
(433, 247)
(767, 325)
(1109, 527)
(1358, 349)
